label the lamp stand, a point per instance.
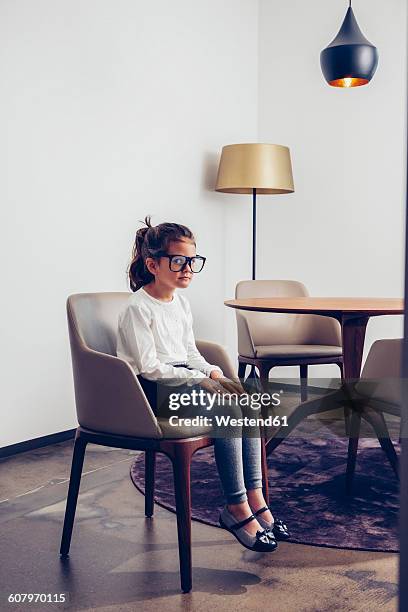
(252, 167)
(253, 232)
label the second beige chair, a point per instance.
(377, 392)
(267, 340)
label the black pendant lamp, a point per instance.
(350, 60)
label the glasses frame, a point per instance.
(187, 262)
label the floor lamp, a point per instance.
(255, 169)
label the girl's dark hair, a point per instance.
(152, 241)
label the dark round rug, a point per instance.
(307, 490)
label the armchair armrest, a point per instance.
(317, 329)
(109, 396)
(246, 345)
(217, 355)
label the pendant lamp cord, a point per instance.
(349, 3)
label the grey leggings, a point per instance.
(239, 466)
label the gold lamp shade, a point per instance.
(264, 167)
(256, 168)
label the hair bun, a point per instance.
(140, 236)
(141, 233)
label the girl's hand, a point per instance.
(232, 386)
(211, 385)
(216, 374)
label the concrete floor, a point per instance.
(121, 561)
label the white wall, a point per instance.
(341, 232)
(109, 110)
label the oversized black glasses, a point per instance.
(179, 262)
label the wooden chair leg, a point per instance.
(354, 434)
(264, 465)
(73, 490)
(264, 370)
(377, 421)
(346, 408)
(150, 463)
(182, 488)
(241, 370)
(252, 372)
(392, 456)
(347, 415)
(303, 382)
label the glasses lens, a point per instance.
(177, 263)
(197, 264)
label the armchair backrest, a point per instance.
(108, 395)
(264, 328)
(381, 378)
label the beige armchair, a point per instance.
(267, 340)
(112, 410)
(379, 391)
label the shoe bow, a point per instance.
(262, 536)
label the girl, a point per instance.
(155, 334)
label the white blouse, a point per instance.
(154, 335)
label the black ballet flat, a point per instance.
(263, 541)
(279, 528)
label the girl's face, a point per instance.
(161, 269)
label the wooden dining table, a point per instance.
(353, 314)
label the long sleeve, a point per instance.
(194, 357)
(138, 347)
